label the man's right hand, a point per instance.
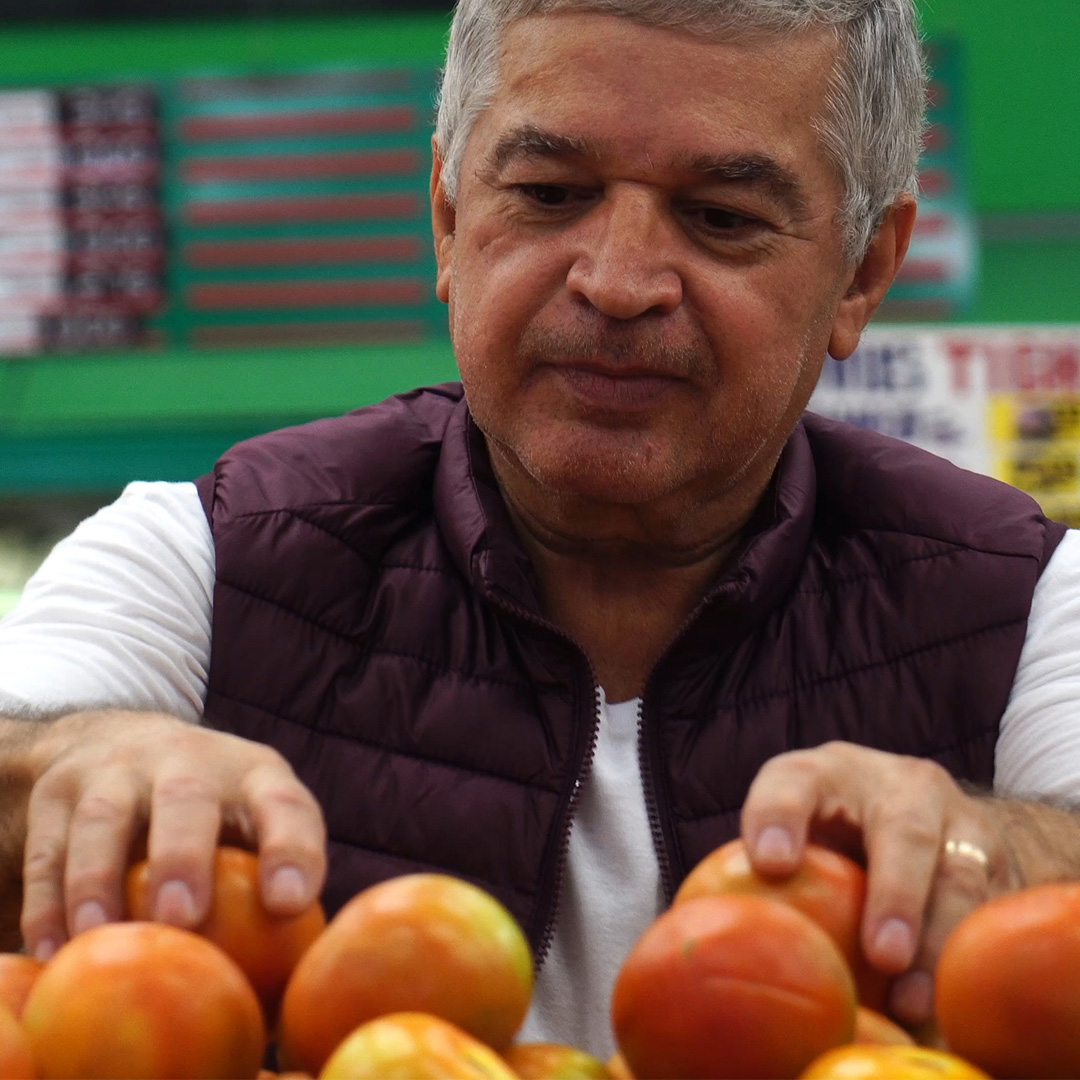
(106, 780)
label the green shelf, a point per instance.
(93, 423)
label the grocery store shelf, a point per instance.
(93, 423)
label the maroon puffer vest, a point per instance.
(377, 621)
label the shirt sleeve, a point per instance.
(118, 615)
(1038, 748)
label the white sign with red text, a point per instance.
(1003, 400)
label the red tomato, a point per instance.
(131, 1000)
(420, 943)
(17, 974)
(1007, 986)
(828, 886)
(266, 947)
(731, 986)
(871, 1027)
(413, 1046)
(16, 1060)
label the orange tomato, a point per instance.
(618, 1069)
(553, 1061)
(731, 986)
(144, 1000)
(17, 974)
(420, 943)
(16, 1060)
(1008, 984)
(413, 1046)
(828, 886)
(873, 1028)
(266, 947)
(890, 1063)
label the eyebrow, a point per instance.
(531, 141)
(753, 170)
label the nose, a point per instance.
(625, 267)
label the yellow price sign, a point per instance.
(1056, 471)
(1034, 418)
(1065, 510)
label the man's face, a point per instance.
(643, 266)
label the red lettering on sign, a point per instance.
(1066, 366)
(1030, 365)
(960, 353)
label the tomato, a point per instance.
(16, 1060)
(1008, 984)
(828, 886)
(618, 1069)
(144, 1000)
(731, 986)
(413, 1046)
(872, 1027)
(17, 974)
(420, 943)
(890, 1063)
(266, 947)
(553, 1061)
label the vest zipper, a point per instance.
(648, 758)
(648, 784)
(564, 844)
(548, 933)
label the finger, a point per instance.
(185, 823)
(291, 837)
(961, 884)
(903, 834)
(99, 839)
(43, 923)
(784, 797)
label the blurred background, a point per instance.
(213, 222)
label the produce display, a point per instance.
(427, 976)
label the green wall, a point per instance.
(1023, 98)
(1022, 105)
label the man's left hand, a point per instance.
(933, 853)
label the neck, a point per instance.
(622, 580)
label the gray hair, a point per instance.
(873, 127)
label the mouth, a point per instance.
(617, 390)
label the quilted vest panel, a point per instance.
(377, 621)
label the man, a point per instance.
(567, 634)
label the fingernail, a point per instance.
(775, 845)
(894, 945)
(286, 887)
(175, 904)
(912, 997)
(87, 916)
(45, 950)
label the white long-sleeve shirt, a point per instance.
(119, 616)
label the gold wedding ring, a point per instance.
(965, 850)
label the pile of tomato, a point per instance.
(427, 976)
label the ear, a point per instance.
(871, 279)
(443, 220)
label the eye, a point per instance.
(721, 220)
(547, 194)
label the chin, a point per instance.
(608, 477)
